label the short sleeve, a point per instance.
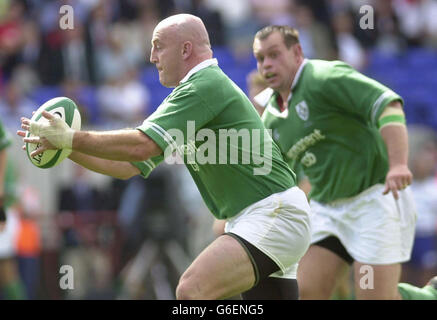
(181, 115)
(356, 93)
(146, 167)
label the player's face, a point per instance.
(276, 63)
(166, 56)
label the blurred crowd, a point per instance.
(109, 45)
(116, 232)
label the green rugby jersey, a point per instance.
(206, 107)
(330, 128)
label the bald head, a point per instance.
(186, 27)
(179, 43)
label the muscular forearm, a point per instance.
(396, 140)
(394, 133)
(120, 145)
(117, 169)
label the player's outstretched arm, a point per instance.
(395, 137)
(117, 169)
(120, 145)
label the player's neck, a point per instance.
(197, 59)
(193, 62)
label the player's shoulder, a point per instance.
(328, 69)
(202, 81)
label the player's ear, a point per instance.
(187, 49)
(297, 50)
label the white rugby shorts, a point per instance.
(374, 228)
(279, 226)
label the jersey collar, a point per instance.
(298, 73)
(204, 64)
(296, 78)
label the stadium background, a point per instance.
(131, 239)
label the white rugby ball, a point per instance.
(65, 109)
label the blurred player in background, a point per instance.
(265, 212)
(256, 85)
(348, 133)
(10, 282)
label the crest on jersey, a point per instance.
(302, 110)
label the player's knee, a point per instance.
(182, 292)
(191, 288)
(187, 289)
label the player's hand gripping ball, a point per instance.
(66, 110)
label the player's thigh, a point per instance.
(222, 270)
(377, 282)
(319, 272)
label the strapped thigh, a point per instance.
(263, 266)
